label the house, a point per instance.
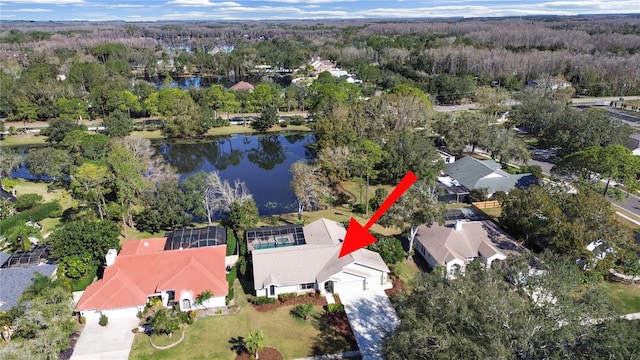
(242, 86)
(297, 259)
(457, 243)
(633, 144)
(471, 173)
(175, 269)
(18, 270)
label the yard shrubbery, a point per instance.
(261, 300)
(37, 213)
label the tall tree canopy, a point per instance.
(481, 316)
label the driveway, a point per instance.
(372, 319)
(112, 342)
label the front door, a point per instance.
(328, 286)
(272, 290)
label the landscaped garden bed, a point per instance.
(286, 300)
(265, 354)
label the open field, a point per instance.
(212, 337)
(23, 139)
(624, 298)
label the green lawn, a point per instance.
(26, 139)
(624, 298)
(212, 337)
(406, 271)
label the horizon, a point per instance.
(281, 10)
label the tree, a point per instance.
(199, 196)
(164, 323)
(409, 150)
(82, 237)
(242, 215)
(124, 101)
(390, 249)
(165, 207)
(90, 182)
(10, 160)
(255, 342)
(597, 163)
(418, 206)
(335, 162)
(72, 109)
(203, 298)
(55, 164)
(491, 100)
(367, 156)
(268, 118)
(59, 128)
(308, 186)
(19, 237)
(485, 318)
(117, 124)
(505, 146)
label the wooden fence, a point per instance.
(487, 204)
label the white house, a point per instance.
(456, 244)
(297, 259)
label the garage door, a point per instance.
(348, 286)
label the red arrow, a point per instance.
(357, 236)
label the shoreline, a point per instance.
(35, 139)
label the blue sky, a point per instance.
(148, 10)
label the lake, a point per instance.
(261, 161)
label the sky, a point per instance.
(154, 10)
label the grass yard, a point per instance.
(23, 139)
(493, 213)
(213, 337)
(624, 298)
(406, 271)
(340, 213)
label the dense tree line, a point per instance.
(541, 315)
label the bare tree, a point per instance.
(307, 184)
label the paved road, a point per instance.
(372, 319)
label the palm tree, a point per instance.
(18, 237)
(255, 341)
(203, 297)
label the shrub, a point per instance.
(297, 120)
(35, 214)
(27, 201)
(135, 330)
(287, 296)
(104, 320)
(390, 249)
(335, 308)
(302, 311)
(261, 300)
(82, 320)
(284, 123)
(478, 195)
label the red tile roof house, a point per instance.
(242, 85)
(144, 269)
(297, 259)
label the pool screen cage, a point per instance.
(194, 238)
(276, 236)
(37, 254)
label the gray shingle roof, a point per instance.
(633, 142)
(13, 281)
(316, 260)
(473, 174)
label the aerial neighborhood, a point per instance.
(291, 181)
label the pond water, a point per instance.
(203, 82)
(261, 161)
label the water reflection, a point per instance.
(261, 161)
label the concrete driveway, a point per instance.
(372, 319)
(112, 342)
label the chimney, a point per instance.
(111, 256)
(458, 225)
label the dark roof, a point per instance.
(275, 236)
(5, 194)
(14, 280)
(473, 174)
(38, 254)
(194, 238)
(633, 142)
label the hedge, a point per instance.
(261, 300)
(50, 209)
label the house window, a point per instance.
(272, 290)
(309, 286)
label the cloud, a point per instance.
(45, 2)
(201, 3)
(31, 10)
(307, 1)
